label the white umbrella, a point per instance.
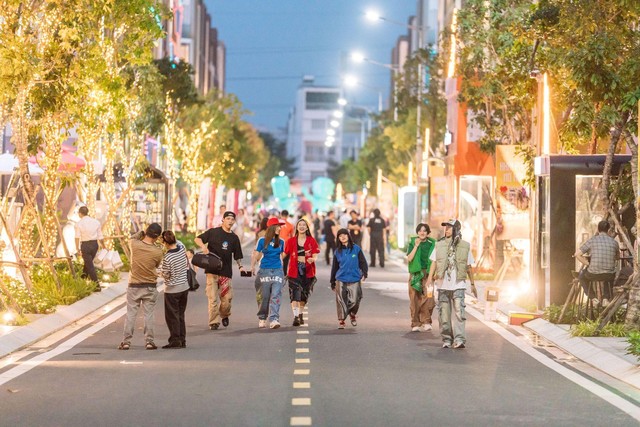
(9, 162)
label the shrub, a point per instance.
(634, 343)
(71, 289)
(588, 328)
(552, 314)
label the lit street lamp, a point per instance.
(374, 16)
(358, 57)
(351, 81)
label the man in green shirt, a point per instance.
(421, 300)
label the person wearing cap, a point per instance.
(450, 268)
(146, 257)
(226, 244)
(302, 251)
(269, 252)
(348, 271)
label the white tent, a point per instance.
(9, 162)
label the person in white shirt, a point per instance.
(88, 240)
(451, 263)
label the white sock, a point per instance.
(296, 311)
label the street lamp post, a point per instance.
(374, 16)
(359, 57)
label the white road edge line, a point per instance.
(598, 390)
(28, 365)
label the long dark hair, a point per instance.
(272, 235)
(349, 241)
(308, 233)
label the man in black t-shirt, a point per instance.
(226, 244)
(377, 227)
(355, 228)
(330, 229)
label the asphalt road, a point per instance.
(376, 374)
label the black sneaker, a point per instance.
(296, 321)
(225, 322)
(214, 327)
(176, 344)
(301, 319)
(458, 345)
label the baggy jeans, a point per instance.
(268, 286)
(420, 306)
(136, 297)
(219, 306)
(348, 296)
(451, 303)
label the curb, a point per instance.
(23, 336)
(581, 348)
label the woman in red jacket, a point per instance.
(302, 251)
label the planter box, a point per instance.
(517, 318)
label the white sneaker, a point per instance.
(426, 327)
(415, 329)
(262, 323)
(274, 325)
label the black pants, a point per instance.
(331, 248)
(89, 250)
(174, 307)
(376, 244)
(586, 277)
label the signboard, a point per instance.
(512, 197)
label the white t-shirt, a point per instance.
(451, 283)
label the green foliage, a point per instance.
(187, 239)
(71, 289)
(178, 81)
(552, 314)
(44, 295)
(634, 343)
(588, 328)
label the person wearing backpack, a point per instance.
(421, 299)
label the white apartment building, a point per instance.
(307, 129)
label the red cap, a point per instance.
(274, 221)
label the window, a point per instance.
(314, 151)
(322, 100)
(318, 124)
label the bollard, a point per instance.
(491, 297)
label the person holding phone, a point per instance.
(270, 278)
(302, 250)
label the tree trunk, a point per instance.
(632, 321)
(593, 144)
(608, 164)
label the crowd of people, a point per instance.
(285, 254)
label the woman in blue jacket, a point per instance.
(348, 271)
